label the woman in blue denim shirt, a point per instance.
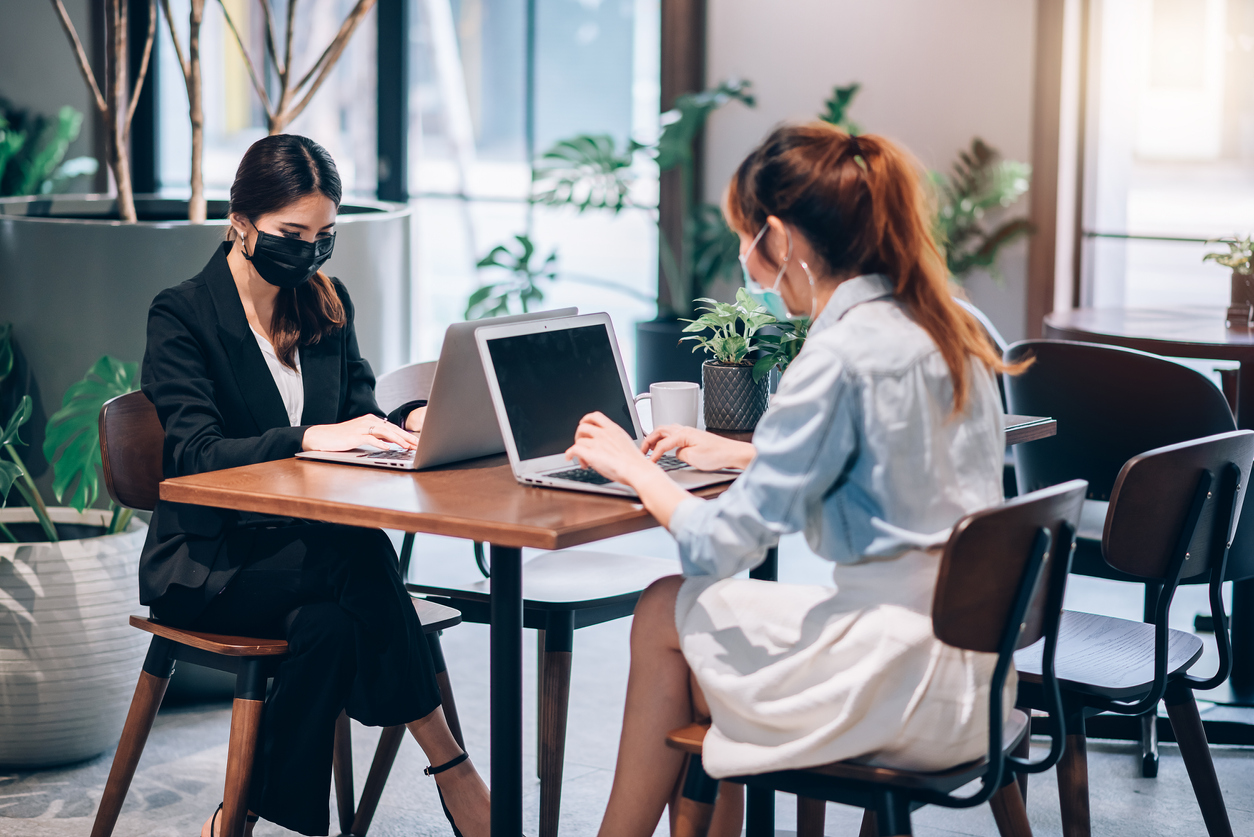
(886, 430)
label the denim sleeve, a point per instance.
(805, 444)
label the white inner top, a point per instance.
(288, 380)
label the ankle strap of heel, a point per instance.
(448, 765)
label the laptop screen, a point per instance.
(549, 380)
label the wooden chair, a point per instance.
(131, 439)
(1112, 404)
(1001, 583)
(562, 592)
(1172, 515)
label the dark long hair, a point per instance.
(276, 172)
(861, 205)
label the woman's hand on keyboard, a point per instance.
(362, 431)
(699, 448)
(605, 447)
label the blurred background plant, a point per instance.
(1239, 255)
(778, 345)
(33, 148)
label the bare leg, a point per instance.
(464, 791)
(660, 698)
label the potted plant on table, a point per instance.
(1238, 260)
(68, 582)
(735, 397)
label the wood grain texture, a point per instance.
(229, 646)
(240, 754)
(1010, 812)
(811, 816)
(1020, 429)
(478, 500)
(131, 437)
(1073, 787)
(148, 694)
(555, 673)
(435, 617)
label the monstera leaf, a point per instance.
(72, 444)
(9, 471)
(586, 171)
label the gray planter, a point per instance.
(77, 285)
(732, 400)
(69, 658)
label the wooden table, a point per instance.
(1192, 332)
(477, 500)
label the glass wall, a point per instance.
(1170, 148)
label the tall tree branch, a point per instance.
(271, 46)
(143, 65)
(178, 47)
(287, 42)
(84, 65)
(248, 61)
(327, 61)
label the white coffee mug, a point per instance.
(673, 402)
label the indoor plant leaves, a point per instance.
(73, 431)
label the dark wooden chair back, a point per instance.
(407, 383)
(131, 439)
(1111, 404)
(1173, 510)
(987, 562)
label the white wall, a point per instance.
(934, 75)
(37, 66)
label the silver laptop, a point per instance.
(544, 377)
(460, 423)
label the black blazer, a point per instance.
(220, 408)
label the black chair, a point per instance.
(1172, 515)
(1111, 404)
(1000, 587)
(131, 438)
(562, 592)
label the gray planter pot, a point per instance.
(77, 285)
(68, 657)
(732, 400)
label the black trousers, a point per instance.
(354, 643)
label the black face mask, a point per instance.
(288, 262)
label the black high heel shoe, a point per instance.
(213, 822)
(448, 765)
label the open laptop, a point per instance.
(460, 423)
(544, 377)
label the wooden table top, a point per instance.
(477, 500)
(1186, 331)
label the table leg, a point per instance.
(506, 686)
(1241, 682)
(760, 802)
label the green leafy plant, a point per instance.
(779, 345)
(733, 326)
(494, 299)
(835, 109)
(72, 443)
(980, 181)
(32, 151)
(1239, 255)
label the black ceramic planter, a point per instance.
(661, 357)
(732, 400)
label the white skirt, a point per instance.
(802, 675)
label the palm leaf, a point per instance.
(72, 443)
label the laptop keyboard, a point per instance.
(390, 454)
(588, 475)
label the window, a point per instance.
(1170, 149)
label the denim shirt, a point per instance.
(859, 447)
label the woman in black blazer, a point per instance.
(253, 360)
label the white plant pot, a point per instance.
(69, 659)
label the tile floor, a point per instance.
(180, 779)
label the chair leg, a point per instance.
(892, 816)
(384, 757)
(250, 693)
(1073, 784)
(1022, 751)
(868, 828)
(153, 679)
(1149, 744)
(811, 816)
(1191, 735)
(555, 679)
(342, 769)
(695, 808)
(446, 688)
(539, 694)
(1009, 811)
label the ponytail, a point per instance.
(860, 203)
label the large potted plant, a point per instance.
(68, 581)
(735, 397)
(78, 272)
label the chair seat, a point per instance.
(568, 579)
(435, 617)
(690, 739)
(227, 646)
(1108, 657)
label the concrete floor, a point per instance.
(179, 781)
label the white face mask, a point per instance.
(770, 298)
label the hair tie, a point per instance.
(857, 153)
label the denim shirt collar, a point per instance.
(849, 293)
